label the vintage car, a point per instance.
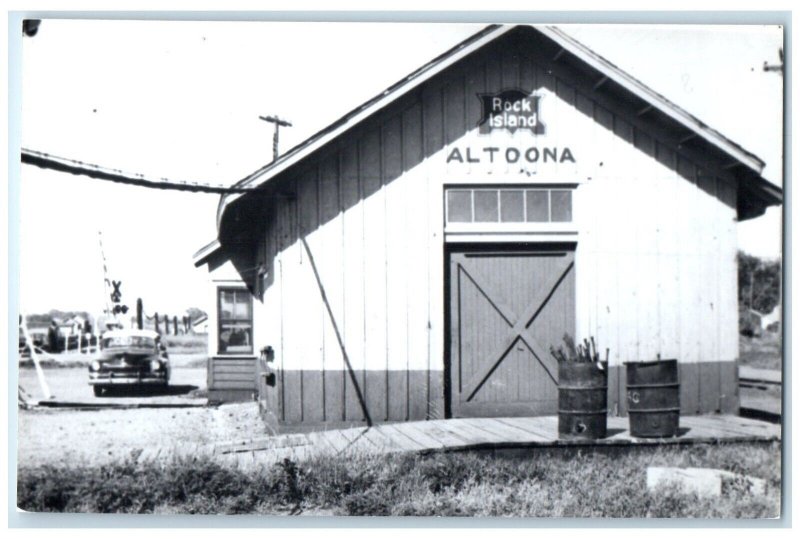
(129, 357)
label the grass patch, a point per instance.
(548, 483)
(195, 343)
(760, 352)
(48, 363)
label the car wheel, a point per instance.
(98, 391)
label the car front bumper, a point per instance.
(109, 379)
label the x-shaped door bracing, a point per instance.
(518, 326)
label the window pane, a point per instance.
(485, 206)
(226, 304)
(459, 206)
(241, 309)
(236, 337)
(537, 205)
(512, 206)
(562, 206)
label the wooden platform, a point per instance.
(476, 434)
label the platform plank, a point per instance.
(404, 440)
(336, 439)
(447, 437)
(321, 443)
(475, 435)
(416, 430)
(383, 441)
(357, 440)
(538, 429)
(460, 434)
(507, 432)
(729, 425)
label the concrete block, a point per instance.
(704, 481)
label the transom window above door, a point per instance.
(508, 205)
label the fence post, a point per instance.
(158, 329)
(175, 324)
(139, 318)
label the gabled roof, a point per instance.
(739, 156)
(394, 92)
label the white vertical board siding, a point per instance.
(396, 314)
(433, 170)
(353, 262)
(328, 257)
(374, 205)
(655, 259)
(729, 304)
(417, 262)
(728, 276)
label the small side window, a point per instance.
(235, 323)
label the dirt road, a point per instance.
(72, 385)
(96, 436)
(74, 437)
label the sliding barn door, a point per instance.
(507, 308)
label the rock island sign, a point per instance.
(515, 111)
(512, 110)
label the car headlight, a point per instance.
(95, 365)
(155, 365)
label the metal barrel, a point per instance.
(653, 394)
(582, 401)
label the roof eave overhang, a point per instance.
(657, 101)
(207, 253)
(768, 194)
(754, 195)
(260, 177)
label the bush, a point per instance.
(372, 502)
(749, 323)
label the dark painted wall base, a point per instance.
(315, 400)
(231, 395)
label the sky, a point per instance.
(181, 100)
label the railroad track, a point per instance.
(758, 383)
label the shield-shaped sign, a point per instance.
(510, 109)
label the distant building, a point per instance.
(200, 325)
(769, 321)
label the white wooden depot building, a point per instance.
(442, 236)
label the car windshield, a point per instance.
(129, 341)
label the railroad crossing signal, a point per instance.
(116, 295)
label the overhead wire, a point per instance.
(74, 166)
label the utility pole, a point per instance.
(278, 124)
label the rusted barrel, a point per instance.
(582, 400)
(653, 394)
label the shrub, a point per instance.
(371, 502)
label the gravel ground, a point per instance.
(72, 385)
(71, 437)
